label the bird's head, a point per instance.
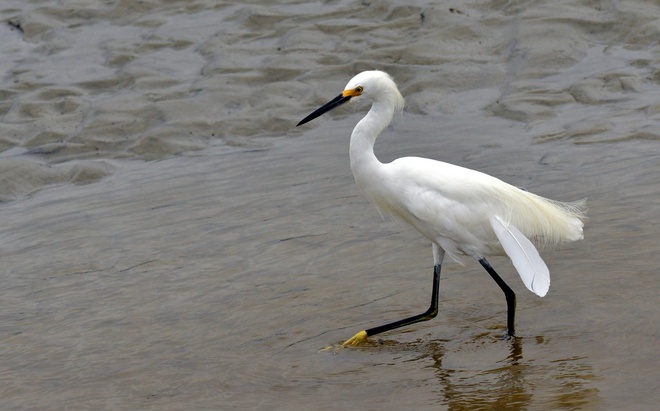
(376, 86)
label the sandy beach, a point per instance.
(170, 240)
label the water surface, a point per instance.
(171, 241)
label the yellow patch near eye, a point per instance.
(352, 92)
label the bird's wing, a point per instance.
(461, 210)
(447, 203)
(524, 256)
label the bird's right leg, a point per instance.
(508, 293)
(438, 256)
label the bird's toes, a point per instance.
(357, 339)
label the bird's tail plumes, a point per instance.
(540, 221)
(561, 222)
(546, 222)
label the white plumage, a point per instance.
(525, 258)
(461, 211)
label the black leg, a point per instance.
(425, 316)
(508, 293)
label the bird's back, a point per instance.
(452, 206)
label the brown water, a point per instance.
(170, 240)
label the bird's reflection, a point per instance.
(502, 387)
(472, 378)
(515, 350)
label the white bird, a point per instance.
(460, 211)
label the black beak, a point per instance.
(335, 102)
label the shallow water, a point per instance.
(170, 241)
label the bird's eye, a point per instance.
(359, 89)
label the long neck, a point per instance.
(363, 159)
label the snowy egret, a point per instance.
(461, 211)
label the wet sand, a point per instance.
(171, 241)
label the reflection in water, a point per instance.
(489, 389)
(508, 385)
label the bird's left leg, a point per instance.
(508, 293)
(438, 256)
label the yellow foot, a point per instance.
(357, 339)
